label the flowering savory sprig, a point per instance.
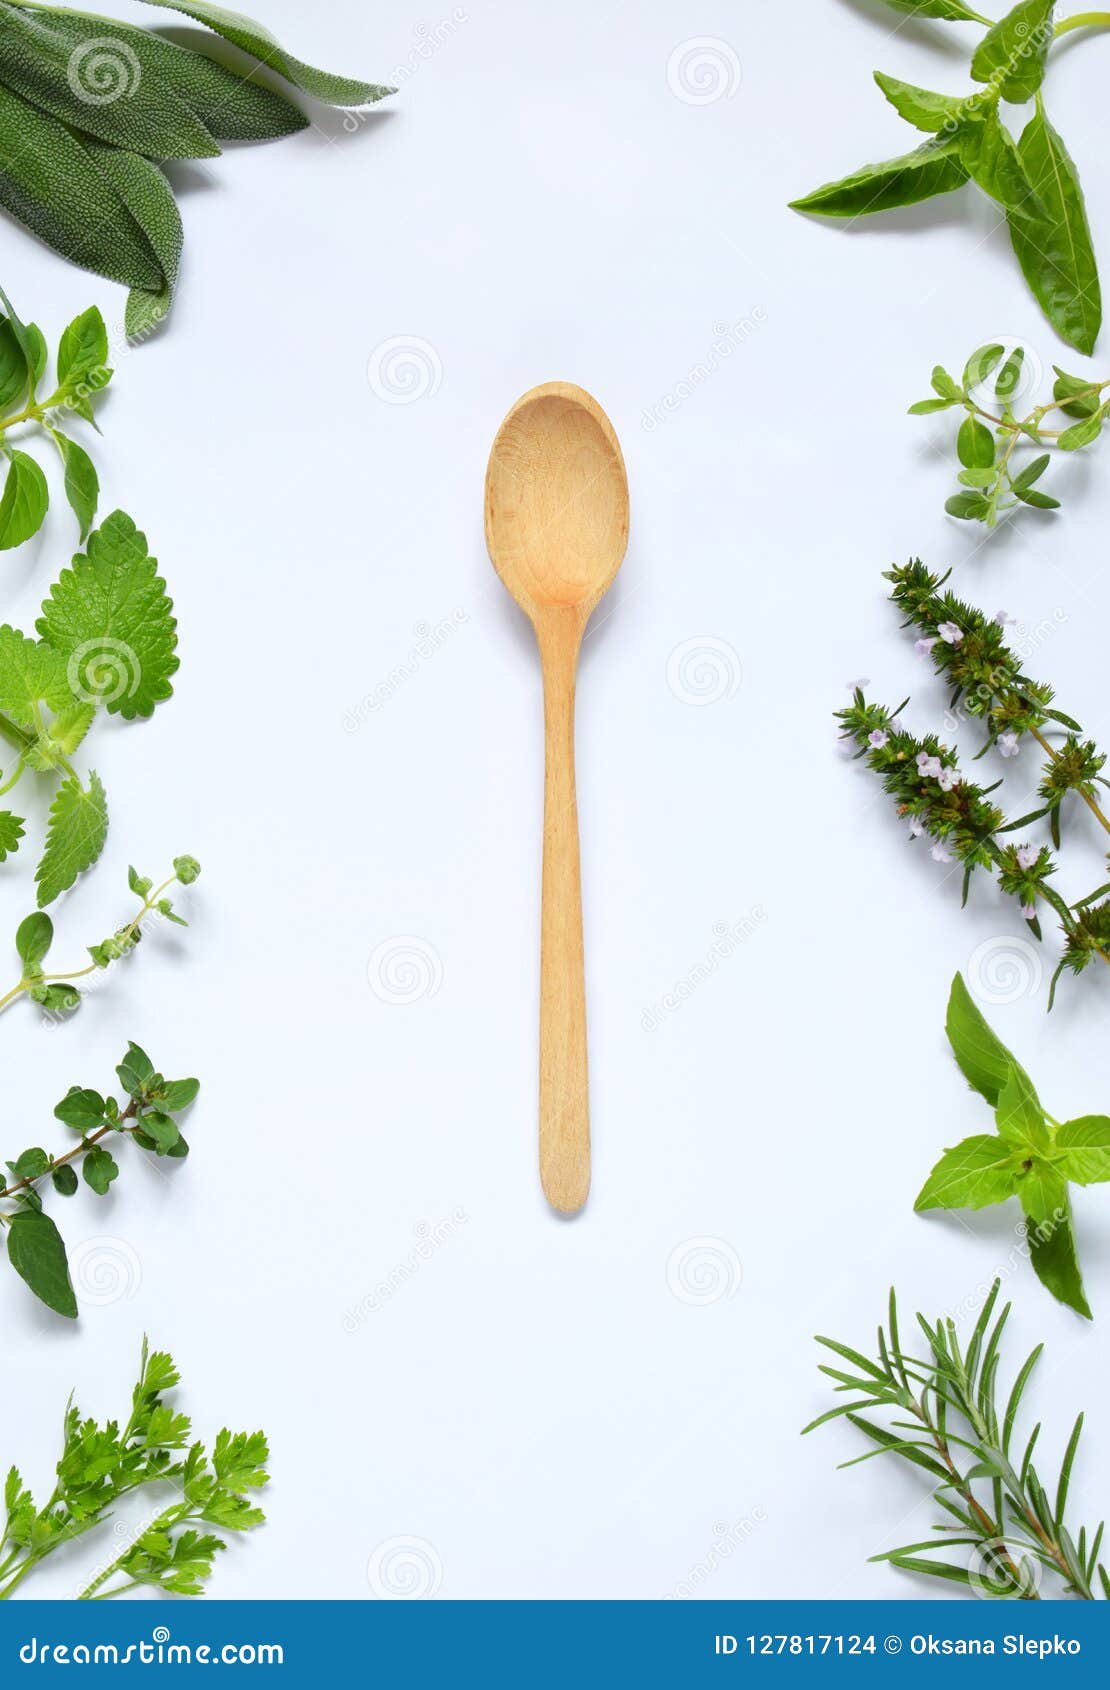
(994, 478)
(965, 825)
(970, 650)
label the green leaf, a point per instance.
(161, 1129)
(50, 183)
(983, 1058)
(923, 407)
(99, 1168)
(13, 366)
(75, 837)
(943, 384)
(135, 1071)
(58, 999)
(1083, 1147)
(178, 1094)
(83, 353)
(969, 506)
(32, 1164)
(889, 1441)
(187, 869)
(1052, 241)
(1042, 501)
(932, 169)
(1081, 433)
(973, 1175)
(82, 485)
(110, 618)
(62, 735)
(1044, 1197)
(982, 364)
(1012, 53)
(975, 444)
(82, 1109)
(31, 674)
(64, 1180)
(138, 883)
(1075, 392)
(11, 832)
(143, 188)
(1032, 472)
(978, 477)
(919, 106)
(989, 156)
(1019, 1115)
(38, 1255)
(23, 502)
(252, 38)
(1010, 374)
(33, 939)
(952, 10)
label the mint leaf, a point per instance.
(24, 500)
(983, 1058)
(37, 1254)
(935, 168)
(1019, 1115)
(1012, 54)
(33, 938)
(75, 836)
(82, 485)
(31, 674)
(973, 1175)
(110, 619)
(1083, 1149)
(11, 832)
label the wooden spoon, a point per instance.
(557, 529)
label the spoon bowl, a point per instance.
(557, 530)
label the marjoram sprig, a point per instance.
(1003, 1531)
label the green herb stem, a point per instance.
(125, 934)
(86, 1144)
(1083, 20)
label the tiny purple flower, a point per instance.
(1027, 855)
(950, 632)
(947, 779)
(929, 766)
(1028, 911)
(917, 827)
(863, 681)
(1003, 616)
(923, 647)
(877, 738)
(1009, 744)
(941, 853)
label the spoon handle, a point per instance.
(564, 1096)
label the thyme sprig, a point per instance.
(994, 477)
(951, 1423)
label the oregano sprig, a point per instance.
(996, 477)
(945, 1415)
(107, 640)
(146, 1113)
(1032, 179)
(82, 372)
(100, 1464)
(1031, 1156)
(55, 991)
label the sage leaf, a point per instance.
(1052, 241)
(38, 1255)
(934, 168)
(973, 1175)
(1012, 54)
(252, 38)
(143, 188)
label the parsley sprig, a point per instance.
(1002, 1530)
(101, 1464)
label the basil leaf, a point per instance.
(1019, 1116)
(13, 366)
(38, 1255)
(1012, 54)
(1053, 243)
(1044, 1196)
(983, 1058)
(24, 500)
(935, 168)
(919, 106)
(1083, 1147)
(990, 157)
(951, 10)
(973, 1175)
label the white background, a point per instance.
(547, 1408)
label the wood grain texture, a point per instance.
(557, 530)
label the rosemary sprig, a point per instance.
(952, 1424)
